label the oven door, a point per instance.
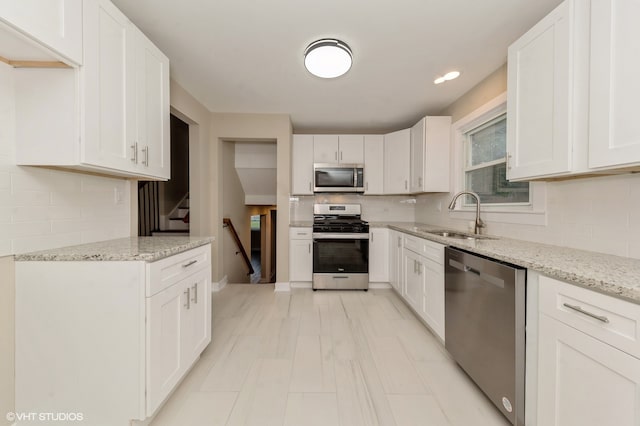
(341, 261)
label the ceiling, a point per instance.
(247, 56)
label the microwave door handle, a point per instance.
(355, 177)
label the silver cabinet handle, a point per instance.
(145, 151)
(405, 184)
(309, 248)
(195, 293)
(587, 313)
(309, 186)
(188, 303)
(419, 182)
(186, 265)
(508, 158)
(134, 158)
(340, 155)
(366, 187)
(335, 155)
(372, 236)
(399, 241)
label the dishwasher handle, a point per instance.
(462, 267)
(498, 282)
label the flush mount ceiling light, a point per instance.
(448, 76)
(328, 58)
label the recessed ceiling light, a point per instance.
(328, 58)
(448, 76)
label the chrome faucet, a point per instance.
(479, 223)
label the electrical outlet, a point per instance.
(118, 197)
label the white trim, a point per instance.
(219, 285)
(282, 287)
(301, 284)
(533, 213)
(380, 285)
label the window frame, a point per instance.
(531, 213)
(467, 160)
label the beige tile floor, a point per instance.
(323, 358)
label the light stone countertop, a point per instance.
(613, 275)
(148, 249)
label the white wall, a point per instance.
(40, 209)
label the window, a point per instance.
(485, 166)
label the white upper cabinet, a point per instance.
(325, 148)
(333, 149)
(430, 140)
(547, 95)
(152, 101)
(56, 24)
(397, 155)
(374, 165)
(351, 149)
(614, 128)
(108, 81)
(116, 104)
(302, 165)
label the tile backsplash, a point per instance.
(42, 208)
(600, 214)
(387, 208)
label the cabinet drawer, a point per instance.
(300, 233)
(606, 318)
(426, 248)
(170, 270)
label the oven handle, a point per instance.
(339, 236)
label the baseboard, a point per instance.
(301, 284)
(380, 285)
(282, 287)
(219, 285)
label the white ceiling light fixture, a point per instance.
(328, 58)
(448, 76)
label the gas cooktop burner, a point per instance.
(327, 218)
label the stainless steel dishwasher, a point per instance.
(485, 326)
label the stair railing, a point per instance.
(228, 224)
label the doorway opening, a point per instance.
(263, 244)
(163, 207)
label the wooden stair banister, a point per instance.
(227, 223)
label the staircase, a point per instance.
(178, 221)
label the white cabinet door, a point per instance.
(413, 280)
(300, 260)
(302, 165)
(197, 321)
(379, 255)
(165, 328)
(434, 295)
(56, 24)
(417, 157)
(153, 119)
(351, 149)
(397, 154)
(108, 85)
(584, 382)
(540, 98)
(325, 149)
(374, 165)
(395, 261)
(614, 128)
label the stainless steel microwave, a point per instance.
(338, 177)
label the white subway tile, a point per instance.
(45, 242)
(29, 198)
(96, 183)
(5, 247)
(6, 214)
(24, 229)
(30, 214)
(30, 179)
(5, 181)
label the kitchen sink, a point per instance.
(457, 235)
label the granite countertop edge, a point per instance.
(608, 274)
(148, 249)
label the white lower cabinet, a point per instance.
(395, 261)
(379, 255)
(588, 365)
(178, 330)
(422, 280)
(300, 254)
(109, 339)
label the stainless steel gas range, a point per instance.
(340, 247)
